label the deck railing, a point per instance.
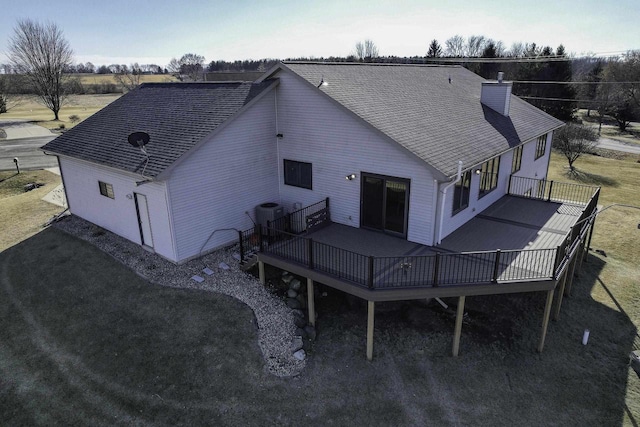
(550, 191)
(301, 220)
(438, 269)
(577, 234)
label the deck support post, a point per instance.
(582, 251)
(562, 281)
(593, 224)
(371, 305)
(458, 328)
(571, 271)
(261, 272)
(311, 302)
(545, 320)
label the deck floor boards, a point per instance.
(511, 225)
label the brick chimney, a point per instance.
(497, 94)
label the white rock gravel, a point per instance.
(276, 329)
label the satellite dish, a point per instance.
(139, 139)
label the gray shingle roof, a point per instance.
(177, 116)
(415, 105)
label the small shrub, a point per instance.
(61, 126)
(3, 134)
(74, 118)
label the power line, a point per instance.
(540, 98)
(530, 59)
(572, 83)
(501, 60)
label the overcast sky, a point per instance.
(126, 31)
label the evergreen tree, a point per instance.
(560, 71)
(435, 51)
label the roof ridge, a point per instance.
(375, 64)
(192, 84)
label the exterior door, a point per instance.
(144, 223)
(384, 204)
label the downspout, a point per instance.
(278, 163)
(444, 197)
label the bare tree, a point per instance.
(40, 52)
(9, 86)
(619, 96)
(455, 46)
(517, 50)
(573, 141)
(174, 67)
(189, 66)
(475, 45)
(128, 78)
(365, 51)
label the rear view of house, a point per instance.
(411, 151)
(445, 173)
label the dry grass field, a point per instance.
(87, 79)
(616, 239)
(22, 214)
(80, 105)
(29, 108)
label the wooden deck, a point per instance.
(515, 223)
(516, 245)
(379, 267)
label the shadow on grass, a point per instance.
(616, 336)
(84, 341)
(590, 178)
(81, 330)
(566, 384)
(8, 177)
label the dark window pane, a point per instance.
(298, 174)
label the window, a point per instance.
(106, 190)
(489, 176)
(517, 159)
(541, 146)
(461, 193)
(297, 174)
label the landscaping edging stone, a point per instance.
(276, 328)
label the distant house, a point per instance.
(424, 149)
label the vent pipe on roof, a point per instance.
(497, 95)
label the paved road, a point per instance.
(612, 144)
(27, 150)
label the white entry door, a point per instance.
(143, 219)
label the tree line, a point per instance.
(548, 78)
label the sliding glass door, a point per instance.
(384, 203)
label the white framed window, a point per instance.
(489, 176)
(541, 146)
(461, 193)
(516, 163)
(106, 190)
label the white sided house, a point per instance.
(410, 150)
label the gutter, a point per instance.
(444, 197)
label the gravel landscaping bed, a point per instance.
(276, 328)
